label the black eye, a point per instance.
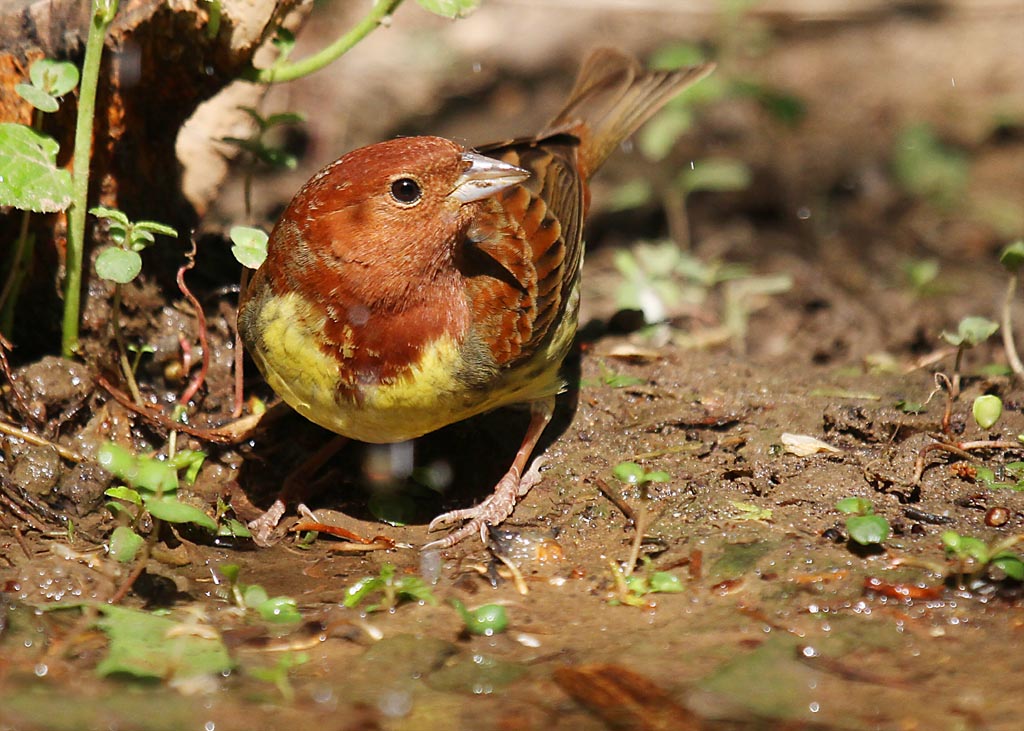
(406, 191)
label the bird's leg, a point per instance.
(295, 488)
(509, 489)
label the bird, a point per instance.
(415, 283)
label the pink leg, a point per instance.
(295, 488)
(509, 489)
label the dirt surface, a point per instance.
(800, 315)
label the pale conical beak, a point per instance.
(484, 177)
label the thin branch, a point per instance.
(378, 14)
(200, 377)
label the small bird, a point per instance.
(414, 283)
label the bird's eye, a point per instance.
(406, 191)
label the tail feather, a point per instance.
(613, 95)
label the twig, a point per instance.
(616, 500)
(200, 377)
(232, 433)
(16, 431)
(962, 449)
(126, 586)
(5, 366)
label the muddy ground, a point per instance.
(827, 329)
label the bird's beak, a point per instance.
(484, 177)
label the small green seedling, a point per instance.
(151, 484)
(486, 620)
(120, 262)
(49, 80)
(970, 332)
(277, 674)
(277, 609)
(633, 474)
(249, 246)
(633, 590)
(973, 556)
(986, 410)
(863, 526)
(393, 589)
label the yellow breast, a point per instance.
(426, 397)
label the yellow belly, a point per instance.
(425, 398)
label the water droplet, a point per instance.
(803, 213)
(477, 67)
(209, 726)
(41, 670)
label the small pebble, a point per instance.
(997, 516)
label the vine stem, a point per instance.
(103, 12)
(275, 74)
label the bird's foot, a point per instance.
(491, 511)
(263, 527)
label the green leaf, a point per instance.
(986, 410)
(29, 177)
(38, 98)
(175, 511)
(125, 544)
(189, 460)
(449, 8)
(855, 505)
(490, 619)
(629, 472)
(964, 547)
(54, 77)
(1010, 563)
(153, 475)
(971, 331)
(111, 214)
(157, 228)
(117, 460)
(250, 246)
(145, 645)
(662, 582)
(235, 528)
(868, 530)
(254, 595)
(718, 175)
(127, 494)
(1012, 257)
(355, 594)
(118, 265)
(280, 610)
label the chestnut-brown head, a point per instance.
(382, 222)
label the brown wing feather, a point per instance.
(540, 250)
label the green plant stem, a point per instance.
(1008, 341)
(102, 14)
(291, 71)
